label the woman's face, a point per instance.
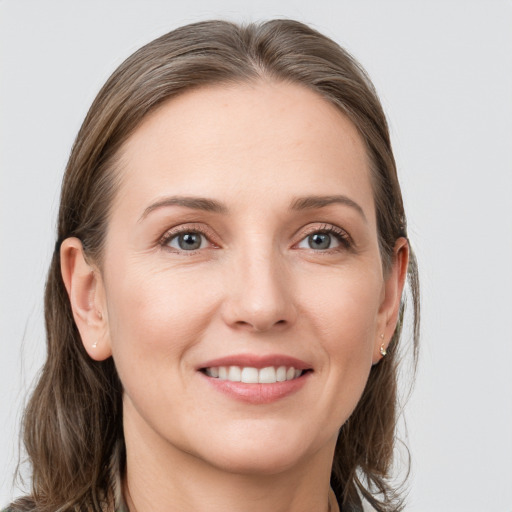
(242, 243)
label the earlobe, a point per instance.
(390, 306)
(86, 295)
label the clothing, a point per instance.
(334, 507)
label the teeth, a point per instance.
(234, 374)
(267, 375)
(281, 374)
(248, 375)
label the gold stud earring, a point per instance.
(383, 350)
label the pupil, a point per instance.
(319, 241)
(189, 241)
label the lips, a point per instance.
(256, 379)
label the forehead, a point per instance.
(246, 139)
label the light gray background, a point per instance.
(444, 73)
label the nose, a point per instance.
(259, 294)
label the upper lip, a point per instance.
(256, 361)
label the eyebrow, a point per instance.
(194, 203)
(211, 205)
(314, 202)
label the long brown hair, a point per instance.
(73, 423)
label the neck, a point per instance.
(162, 478)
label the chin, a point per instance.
(255, 462)
(266, 452)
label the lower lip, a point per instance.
(258, 393)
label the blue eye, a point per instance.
(319, 241)
(326, 238)
(187, 241)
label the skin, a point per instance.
(254, 286)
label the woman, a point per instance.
(224, 304)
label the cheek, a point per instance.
(346, 321)
(347, 309)
(155, 319)
(155, 316)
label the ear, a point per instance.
(392, 295)
(86, 293)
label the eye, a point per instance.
(322, 241)
(326, 238)
(187, 241)
(319, 241)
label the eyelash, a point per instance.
(328, 229)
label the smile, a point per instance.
(250, 375)
(256, 379)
